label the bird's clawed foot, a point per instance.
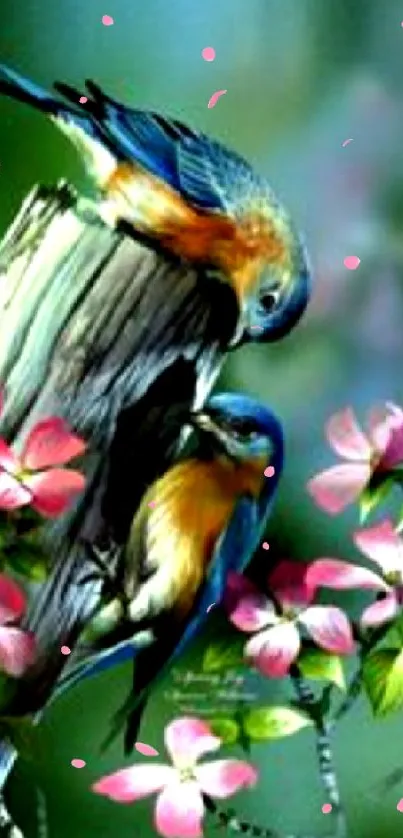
(107, 563)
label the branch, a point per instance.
(327, 768)
(230, 820)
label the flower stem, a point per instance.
(324, 752)
(230, 820)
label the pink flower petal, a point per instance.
(332, 573)
(253, 613)
(393, 453)
(346, 437)
(8, 459)
(54, 490)
(381, 611)
(146, 750)
(12, 493)
(187, 739)
(135, 782)
(337, 487)
(51, 443)
(379, 427)
(17, 650)
(223, 777)
(329, 627)
(179, 811)
(287, 581)
(12, 600)
(381, 544)
(274, 650)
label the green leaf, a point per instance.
(273, 722)
(373, 496)
(322, 666)
(227, 730)
(224, 654)
(22, 734)
(33, 567)
(383, 680)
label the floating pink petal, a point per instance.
(399, 806)
(265, 545)
(215, 97)
(107, 20)
(223, 777)
(83, 100)
(326, 808)
(210, 607)
(352, 262)
(346, 142)
(146, 750)
(78, 763)
(51, 443)
(189, 738)
(65, 650)
(269, 471)
(208, 53)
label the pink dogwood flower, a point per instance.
(379, 449)
(276, 642)
(179, 808)
(30, 478)
(382, 544)
(17, 647)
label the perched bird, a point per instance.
(204, 517)
(230, 268)
(177, 189)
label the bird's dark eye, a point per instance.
(242, 427)
(269, 300)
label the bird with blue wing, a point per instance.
(203, 518)
(179, 190)
(233, 269)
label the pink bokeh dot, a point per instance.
(83, 100)
(107, 20)
(269, 471)
(352, 262)
(399, 806)
(146, 750)
(265, 545)
(78, 763)
(326, 808)
(65, 650)
(208, 53)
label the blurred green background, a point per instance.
(302, 76)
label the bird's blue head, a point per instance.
(276, 301)
(244, 429)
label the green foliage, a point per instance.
(322, 666)
(21, 550)
(228, 730)
(374, 495)
(273, 722)
(383, 680)
(22, 734)
(225, 653)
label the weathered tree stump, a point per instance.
(91, 324)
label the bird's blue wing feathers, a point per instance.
(233, 551)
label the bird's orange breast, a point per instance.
(193, 504)
(238, 247)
